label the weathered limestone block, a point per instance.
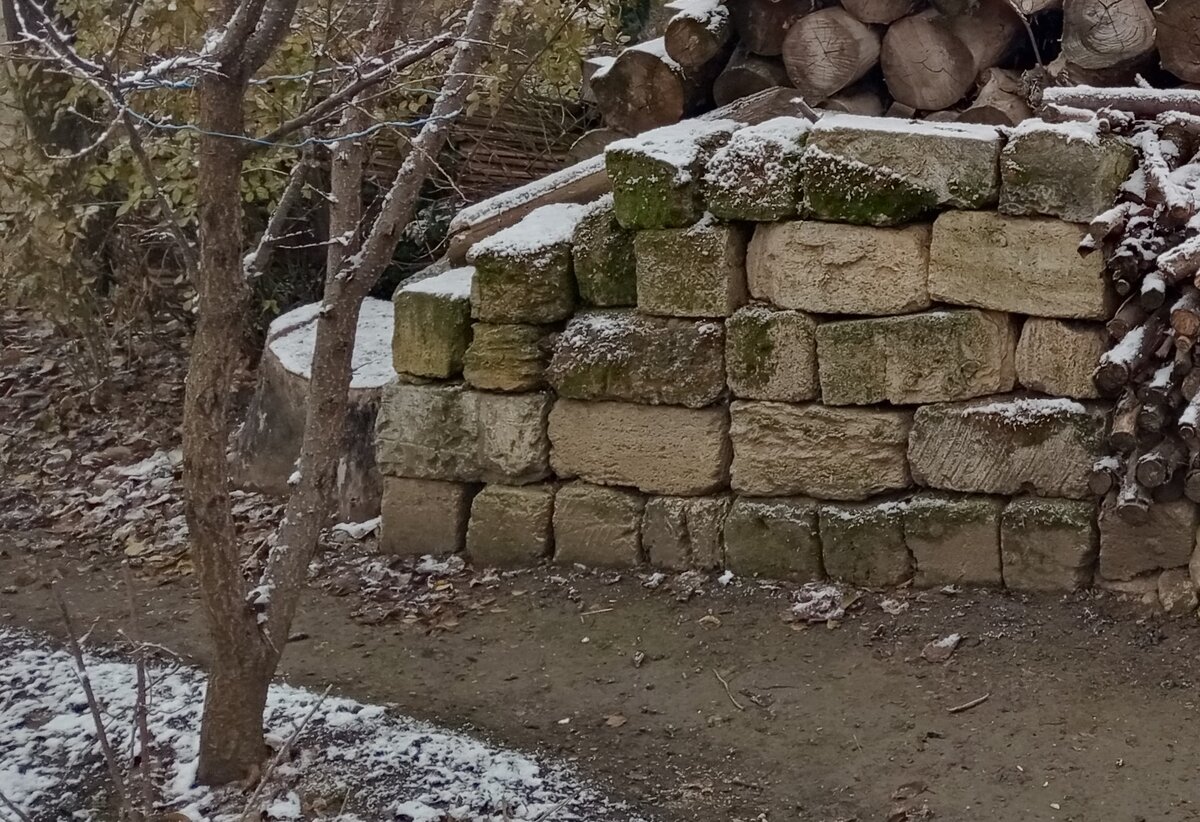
(605, 268)
(1048, 544)
(510, 525)
(863, 544)
(1008, 445)
(756, 176)
(829, 268)
(954, 540)
(598, 526)
(508, 357)
(681, 533)
(1176, 593)
(657, 176)
(935, 356)
(433, 324)
(1066, 170)
(447, 432)
(1024, 265)
(420, 516)
(1165, 540)
(774, 538)
(623, 355)
(1058, 357)
(691, 272)
(771, 355)
(867, 171)
(830, 453)
(523, 274)
(657, 449)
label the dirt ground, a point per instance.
(1091, 713)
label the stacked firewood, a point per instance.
(967, 60)
(1151, 243)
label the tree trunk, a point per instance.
(747, 74)
(642, 89)
(231, 733)
(925, 64)
(1179, 38)
(881, 11)
(693, 38)
(999, 102)
(1104, 34)
(828, 50)
(761, 25)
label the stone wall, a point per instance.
(860, 350)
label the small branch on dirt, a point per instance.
(20, 814)
(140, 708)
(542, 817)
(966, 706)
(728, 692)
(248, 813)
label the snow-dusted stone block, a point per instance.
(1058, 357)
(832, 268)
(433, 324)
(774, 539)
(421, 516)
(508, 357)
(1048, 544)
(780, 449)
(447, 432)
(771, 355)
(657, 176)
(1024, 265)
(885, 171)
(598, 526)
(954, 540)
(510, 526)
(605, 269)
(623, 355)
(681, 533)
(1163, 540)
(1177, 593)
(658, 449)
(935, 356)
(1008, 445)
(863, 544)
(523, 273)
(756, 176)
(698, 271)
(1065, 170)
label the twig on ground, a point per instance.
(549, 813)
(248, 813)
(966, 706)
(141, 704)
(20, 814)
(728, 692)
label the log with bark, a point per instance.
(643, 88)
(1178, 38)
(699, 32)
(747, 74)
(925, 64)
(761, 25)
(828, 50)
(1105, 34)
(881, 11)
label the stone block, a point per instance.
(781, 449)
(657, 176)
(523, 274)
(1008, 445)
(598, 526)
(954, 540)
(867, 171)
(863, 544)
(771, 355)
(682, 533)
(1165, 540)
(691, 272)
(658, 449)
(623, 355)
(756, 175)
(605, 268)
(1065, 170)
(433, 324)
(831, 268)
(1024, 265)
(935, 356)
(508, 357)
(421, 516)
(447, 432)
(1058, 357)
(511, 526)
(1048, 544)
(1176, 593)
(774, 538)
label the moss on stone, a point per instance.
(750, 347)
(605, 266)
(930, 515)
(507, 357)
(863, 543)
(1034, 512)
(847, 191)
(531, 288)
(431, 334)
(648, 193)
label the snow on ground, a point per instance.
(382, 765)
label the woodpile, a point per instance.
(982, 61)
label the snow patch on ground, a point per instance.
(293, 336)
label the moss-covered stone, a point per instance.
(774, 538)
(605, 268)
(692, 272)
(508, 357)
(953, 539)
(863, 544)
(682, 533)
(510, 526)
(771, 355)
(756, 176)
(433, 325)
(1048, 544)
(844, 190)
